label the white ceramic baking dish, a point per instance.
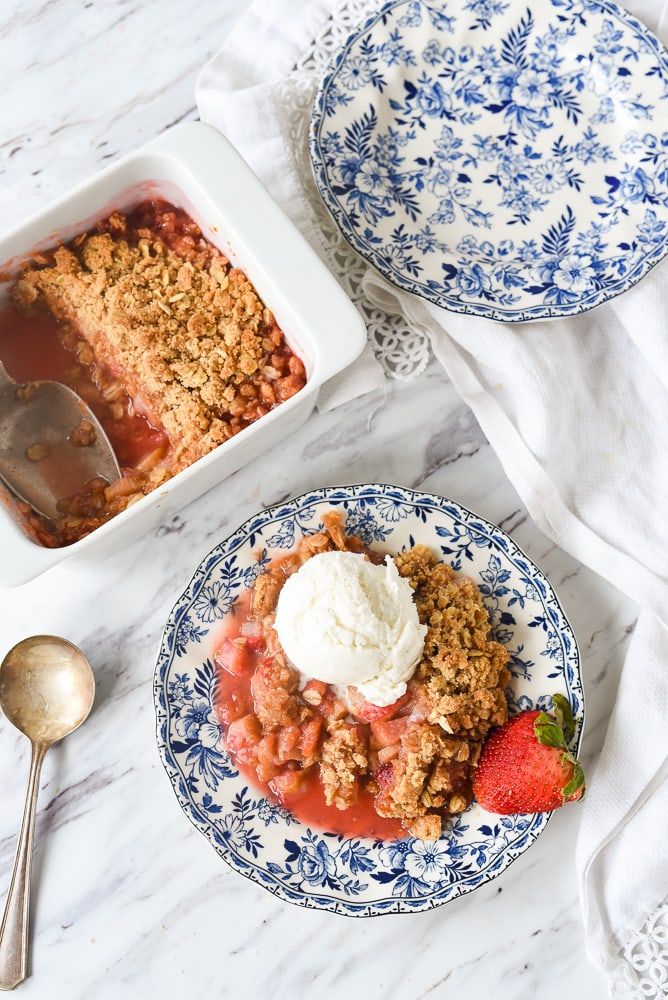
(196, 169)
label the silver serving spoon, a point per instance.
(46, 691)
(51, 443)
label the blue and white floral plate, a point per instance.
(503, 159)
(259, 839)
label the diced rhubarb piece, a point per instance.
(235, 705)
(235, 655)
(369, 712)
(287, 783)
(331, 707)
(388, 753)
(420, 706)
(288, 743)
(310, 736)
(386, 732)
(339, 710)
(243, 738)
(313, 691)
(267, 763)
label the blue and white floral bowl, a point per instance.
(257, 838)
(499, 158)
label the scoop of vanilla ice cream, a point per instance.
(344, 620)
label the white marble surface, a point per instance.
(128, 899)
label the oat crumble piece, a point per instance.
(343, 758)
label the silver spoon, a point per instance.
(46, 691)
(40, 459)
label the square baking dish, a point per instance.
(195, 168)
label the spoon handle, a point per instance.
(14, 927)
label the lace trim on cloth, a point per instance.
(643, 968)
(402, 352)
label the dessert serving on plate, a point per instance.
(333, 793)
(389, 689)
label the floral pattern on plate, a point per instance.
(261, 840)
(496, 158)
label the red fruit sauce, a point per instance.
(32, 348)
(307, 804)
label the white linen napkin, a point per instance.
(577, 411)
(622, 850)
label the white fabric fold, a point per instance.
(577, 411)
(576, 414)
(622, 852)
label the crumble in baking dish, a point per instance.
(170, 344)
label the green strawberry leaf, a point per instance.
(548, 732)
(576, 782)
(564, 716)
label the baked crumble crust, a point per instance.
(184, 338)
(343, 758)
(463, 671)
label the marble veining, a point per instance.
(129, 900)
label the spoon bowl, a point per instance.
(51, 443)
(46, 690)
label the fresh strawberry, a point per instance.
(525, 765)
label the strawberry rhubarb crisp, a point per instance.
(322, 747)
(166, 340)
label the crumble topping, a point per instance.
(170, 330)
(344, 757)
(461, 668)
(185, 338)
